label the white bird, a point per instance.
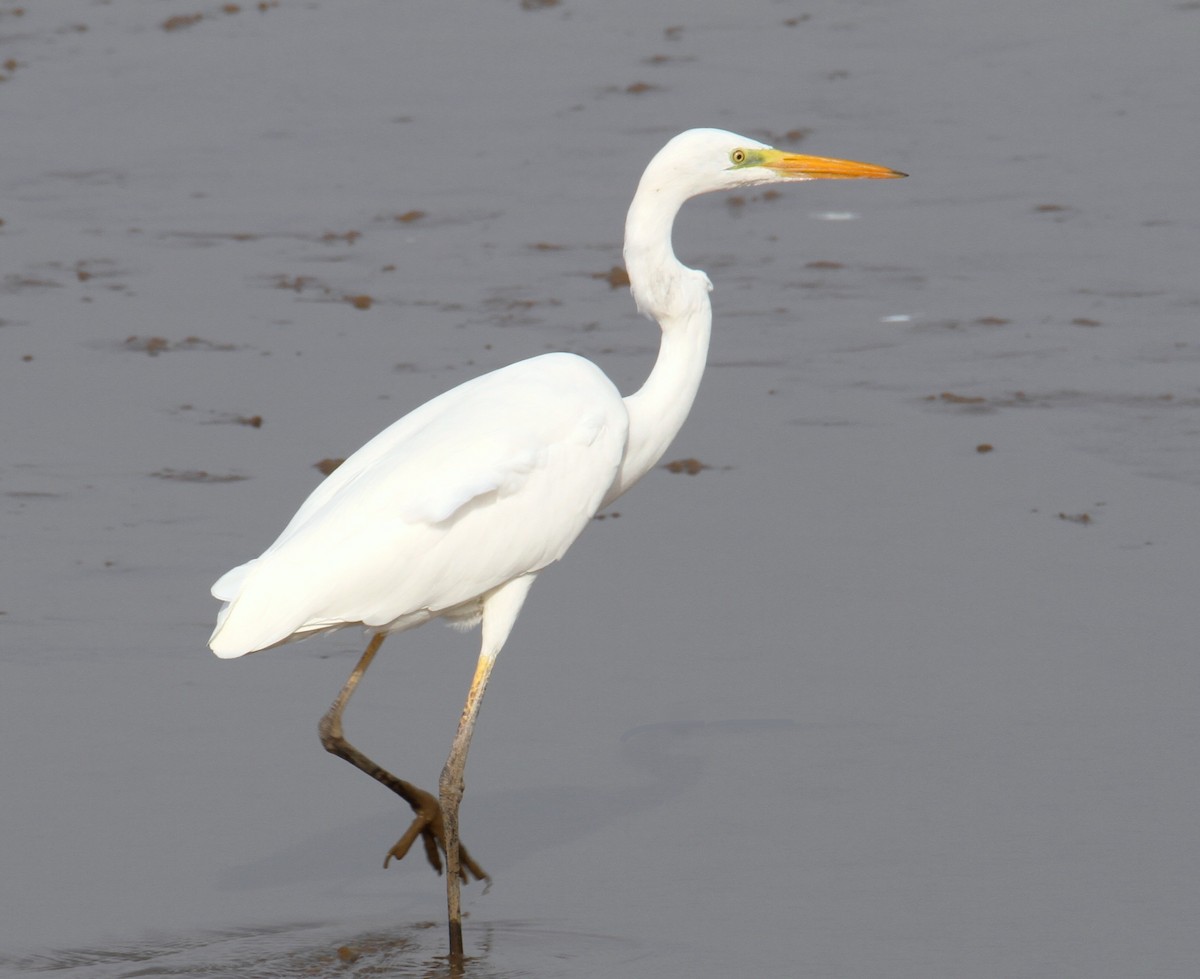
(454, 510)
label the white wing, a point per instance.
(491, 480)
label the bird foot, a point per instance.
(429, 827)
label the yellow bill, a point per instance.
(801, 167)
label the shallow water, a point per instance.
(860, 698)
(501, 950)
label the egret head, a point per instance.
(703, 160)
(700, 161)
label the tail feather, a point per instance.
(249, 629)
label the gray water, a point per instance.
(859, 700)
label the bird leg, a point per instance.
(429, 824)
(500, 610)
(451, 791)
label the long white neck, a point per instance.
(676, 297)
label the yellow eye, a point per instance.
(737, 157)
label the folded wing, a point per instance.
(492, 480)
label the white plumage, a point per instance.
(453, 510)
(507, 468)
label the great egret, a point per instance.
(454, 510)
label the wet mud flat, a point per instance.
(841, 692)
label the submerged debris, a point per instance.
(689, 466)
(180, 21)
(956, 399)
(157, 345)
(196, 476)
(616, 277)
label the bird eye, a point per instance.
(737, 157)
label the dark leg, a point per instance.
(451, 791)
(428, 823)
(500, 611)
